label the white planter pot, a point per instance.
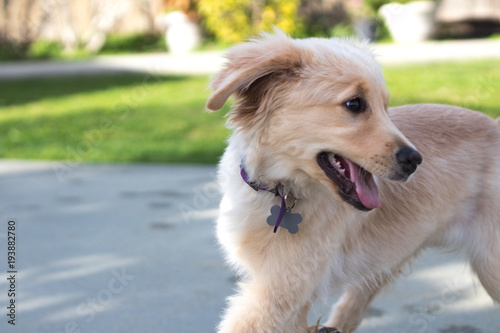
(182, 35)
(410, 23)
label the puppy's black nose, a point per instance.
(408, 158)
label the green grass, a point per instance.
(138, 118)
(473, 85)
(112, 118)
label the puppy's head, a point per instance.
(315, 108)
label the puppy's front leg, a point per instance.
(258, 308)
(275, 297)
(349, 311)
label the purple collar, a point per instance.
(277, 191)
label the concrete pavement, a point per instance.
(131, 248)
(205, 63)
(197, 63)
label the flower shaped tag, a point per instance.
(290, 220)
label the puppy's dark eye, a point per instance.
(356, 105)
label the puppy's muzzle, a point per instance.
(408, 160)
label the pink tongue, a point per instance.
(365, 187)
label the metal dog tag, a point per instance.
(290, 220)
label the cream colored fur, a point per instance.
(290, 105)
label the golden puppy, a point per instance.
(316, 156)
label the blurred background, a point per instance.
(107, 157)
(87, 43)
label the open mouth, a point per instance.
(356, 185)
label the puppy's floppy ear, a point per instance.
(248, 62)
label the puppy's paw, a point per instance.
(328, 330)
(323, 329)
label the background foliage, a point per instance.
(232, 21)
